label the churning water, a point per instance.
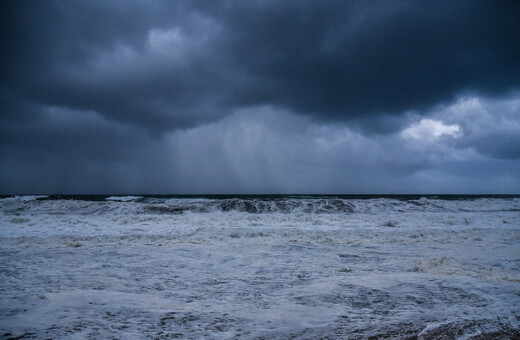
(272, 267)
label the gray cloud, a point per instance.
(165, 65)
(270, 96)
(261, 150)
(490, 126)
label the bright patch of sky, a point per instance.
(430, 130)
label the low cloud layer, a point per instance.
(270, 97)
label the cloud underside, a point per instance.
(265, 150)
(271, 96)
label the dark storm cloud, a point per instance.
(350, 59)
(259, 96)
(51, 48)
(329, 59)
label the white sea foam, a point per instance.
(123, 198)
(251, 268)
(24, 198)
(449, 266)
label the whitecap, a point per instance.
(123, 198)
(25, 198)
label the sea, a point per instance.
(260, 267)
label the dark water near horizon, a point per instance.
(404, 197)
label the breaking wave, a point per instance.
(325, 205)
(255, 206)
(267, 204)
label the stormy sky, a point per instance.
(159, 97)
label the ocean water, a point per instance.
(260, 267)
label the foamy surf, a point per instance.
(123, 198)
(260, 267)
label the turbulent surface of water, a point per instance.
(272, 267)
